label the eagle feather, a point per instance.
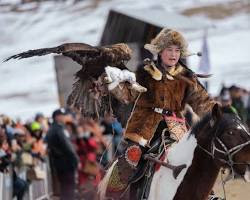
(88, 92)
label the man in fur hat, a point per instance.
(170, 85)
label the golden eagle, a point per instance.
(92, 59)
(88, 92)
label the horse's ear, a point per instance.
(216, 112)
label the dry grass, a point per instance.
(220, 11)
(235, 189)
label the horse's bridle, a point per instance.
(229, 153)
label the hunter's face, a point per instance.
(171, 55)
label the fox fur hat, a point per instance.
(166, 38)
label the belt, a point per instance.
(163, 111)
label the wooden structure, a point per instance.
(136, 27)
(65, 69)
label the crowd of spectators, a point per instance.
(77, 148)
(22, 147)
(237, 100)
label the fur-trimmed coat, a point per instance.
(169, 90)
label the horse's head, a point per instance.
(230, 142)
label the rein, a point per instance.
(229, 153)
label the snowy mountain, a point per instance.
(29, 85)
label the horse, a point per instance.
(218, 140)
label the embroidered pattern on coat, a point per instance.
(133, 155)
(115, 184)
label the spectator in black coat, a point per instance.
(62, 155)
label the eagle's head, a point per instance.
(124, 51)
(118, 54)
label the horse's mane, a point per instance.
(197, 127)
(224, 122)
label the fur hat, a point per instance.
(166, 38)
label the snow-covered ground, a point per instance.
(28, 86)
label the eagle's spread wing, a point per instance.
(92, 59)
(64, 48)
(89, 94)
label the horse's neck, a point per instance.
(194, 182)
(164, 185)
(199, 179)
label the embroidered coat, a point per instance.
(168, 90)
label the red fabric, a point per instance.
(91, 157)
(98, 178)
(134, 154)
(92, 143)
(157, 166)
(174, 118)
(86, 150)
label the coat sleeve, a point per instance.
(197, 97)
(124, 93)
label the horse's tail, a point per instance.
(102, 187)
